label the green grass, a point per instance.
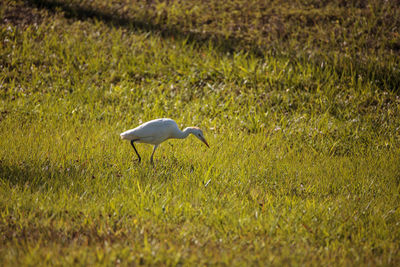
(304, 164)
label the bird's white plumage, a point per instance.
(157, 131)
(153, 132)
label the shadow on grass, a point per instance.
(225, 44)
(385, 77)
(44, 175)
(38, 175)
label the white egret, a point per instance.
(157, 131)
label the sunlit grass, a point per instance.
(303, 167)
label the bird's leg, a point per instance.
(152, 154)
(135, 150)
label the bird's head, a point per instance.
(199, 134)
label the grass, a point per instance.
(304, 162)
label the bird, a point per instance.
(157, 131)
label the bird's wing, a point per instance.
(155, 131)
(160, 128)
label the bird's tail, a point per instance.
(123, 136)
(128, 135)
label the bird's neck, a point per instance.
(185, 133)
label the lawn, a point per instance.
(299, 101)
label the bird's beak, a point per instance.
(205, 142)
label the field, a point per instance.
(299, 101)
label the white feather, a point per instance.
(157, 131)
